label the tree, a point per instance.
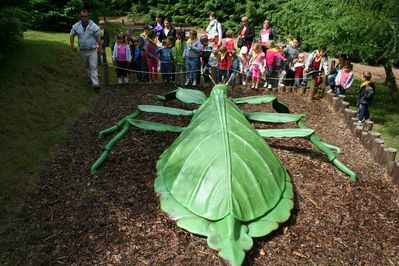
(366, 30)
(59, 15)
(13, 22)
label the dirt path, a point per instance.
(114, 218)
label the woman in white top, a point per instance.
(214, 29)
(266, 34)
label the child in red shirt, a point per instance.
(228, 41)
(224, 64)
(299, 66)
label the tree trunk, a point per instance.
(391, 82)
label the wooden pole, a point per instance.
(375, 147)
(353, 124)
(349, 114)
(106, 69)
(336, 101)
(358, 131)
(393, 171)
(371, 137)
(379, 157)
(344, 105)
(368, 125)
(312, 88)
(364, 138)
(389, 155)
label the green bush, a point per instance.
(56, 15)
(13, 22)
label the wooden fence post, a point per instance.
(312, 88)
(393, 171)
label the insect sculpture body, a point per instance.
(219, 178)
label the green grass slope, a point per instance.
(384, 114)
(43, 88)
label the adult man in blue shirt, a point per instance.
(89, 38)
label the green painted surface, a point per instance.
(219, 178)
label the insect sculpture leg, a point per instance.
(184, 95)
(284, 118)
(277, 105)
(127, 122)
(302, 132)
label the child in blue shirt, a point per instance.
(191, 55)
(135, 64)
(205, 54)
(365, 97)
(166, 58)
(235, 66)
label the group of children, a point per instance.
(184, 60)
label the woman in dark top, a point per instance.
(167, 30)
(246, 34)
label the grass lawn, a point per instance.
(44, 87)
(384, 114)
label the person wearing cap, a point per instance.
(89, 38)
(246, 34)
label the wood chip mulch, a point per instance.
(114, 217)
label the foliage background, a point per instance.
(13, 22)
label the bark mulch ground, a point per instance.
(114, 217)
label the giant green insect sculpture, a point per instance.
(219, 178)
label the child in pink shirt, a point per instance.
(344, 79)
(257, 63)
(271, 55)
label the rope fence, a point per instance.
(248, 74)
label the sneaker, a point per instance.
(256, 86)
(359, 123)
(194, 82)
(187, 82)
(120, 81)
(303, 83)
(265, 85)
(281, 85)
(244, 83)
(253, 86)
(269, 86)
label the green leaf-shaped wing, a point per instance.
(220, 165)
